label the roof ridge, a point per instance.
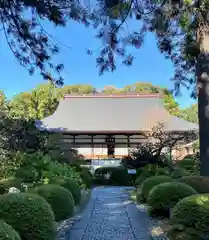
(128, 95)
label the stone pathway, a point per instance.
(110, 215)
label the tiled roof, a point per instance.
(112, 113)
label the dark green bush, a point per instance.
(7, 232)
(72, 186)
(151, 182)
(199, 183)
(164, 196)
(179, 172)
(149, 171)
(5, 184)
(120, 176)
(193, 213)
(191, 163)
(29, 214)
(139, 196)
(86, 177)
(117, 175)
(60, 200)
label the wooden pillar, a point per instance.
(128, 143)
(92, 146)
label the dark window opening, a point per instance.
(111, 151)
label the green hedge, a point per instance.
(149, 171)
(60, 200)
(151, 182)
(199, 183)
(179, 172)
(72, 186)
(193, 213)
(86, 177)
(164, 196)
(5, 184)
(29, 214)
(118, 175)
(7, 232)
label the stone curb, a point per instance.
(64, 226)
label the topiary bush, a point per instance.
(164, 196)
(29, 214)
(151, 182)
(60, 200)
(117, 175)
(192, 213)
(149, 171)
(120, 176)
(5, 184)
(191, 163)
(179, 172)
(7, 232)
(72, 186)
(199, 183)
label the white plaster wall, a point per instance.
(121, 151)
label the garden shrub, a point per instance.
(199, 183)
(193, 213)
(179, 172)
(151, 182)
(86, 177)
(5, 184)
(29, 214)
(190, 163)
(59, 198)
(139, 196)
(120, 176)
(7, 232)
(164, 196)
(148, 171)
(72, 186)
(117, 175)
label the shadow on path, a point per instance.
(110, 215)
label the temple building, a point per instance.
(108, 126)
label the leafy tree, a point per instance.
(181, 29)
(26, 37)
(19, 106)
(190, 114)
(78, 89)
(37, 104)
(158, 143)
(111, 90)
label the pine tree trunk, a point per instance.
(202, 74)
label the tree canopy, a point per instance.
(42, 101)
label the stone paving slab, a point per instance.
(110, 215)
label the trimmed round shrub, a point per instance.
(5, 184)
(120, 176)
(199, 183)
(193, 213)
(72, 186)
(151, 182)
(7, 232)
(60, 200)
(147, 171)
(117, 175)
(29, 214)
(179, 172)
(164, 196)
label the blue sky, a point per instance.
(149, 65)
